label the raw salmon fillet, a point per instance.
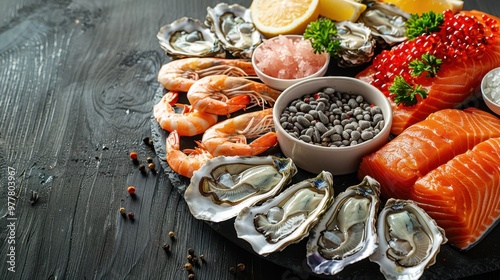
(463, 195)
(454, 84)
(426, 145)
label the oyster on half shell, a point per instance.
(287, 218)
(386, 21)
(224, 185)
(188, 37)
(409, 240)
(233, 26)
(346, 232)
(357, 45)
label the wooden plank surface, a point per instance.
(77, 81)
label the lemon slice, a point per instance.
(423, 6)
(339, 10)
(275, 17)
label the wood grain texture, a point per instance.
(77, 81)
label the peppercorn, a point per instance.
(191, 251)
(133, 156)
(202, 258)
(188, 266)
(149, 159)
(189, 258)
(122, 211)
(232, 270)
(171, 234)
(145, 140)
(142, 168)
(240, 266)
(131, 190)
(166, 247)
(191, 276)
(130, 215)
(152, 167)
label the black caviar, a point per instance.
(332, 119)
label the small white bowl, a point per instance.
(337, 160)
(281, 84)
(494, 105)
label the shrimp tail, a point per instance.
(184, 162)
(264, 142)
(171, 97)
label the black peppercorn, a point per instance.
(166, 247)
(142, 168)
(240, 266)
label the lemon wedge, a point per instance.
(275, 17)
(423, 6)
(339, 10)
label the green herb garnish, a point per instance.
(323, 36)
(425, 24)
(428, 63)
(404, 93)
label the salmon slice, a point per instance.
(426, 145)
(463, 195)
(455, 83)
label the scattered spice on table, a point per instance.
(134, 156)
(131, 190)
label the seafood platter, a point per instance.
(425, 204)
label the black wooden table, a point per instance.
(77, 84)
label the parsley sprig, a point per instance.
(403, 93)
(424, 24)
(428, 63)
(323, 36)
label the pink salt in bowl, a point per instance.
(277, 54)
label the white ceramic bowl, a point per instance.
(281, 84)
(337, 160)
(493, 104)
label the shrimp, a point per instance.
(229, 137)
(180, 75)
(222, 94)
(187, 161)
(189, 122)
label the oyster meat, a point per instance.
(357, 45)
(188, 37)
(233, 26)
(386, 21)
(346, 232)
(409, 240)
(225, 185)
(287, 218)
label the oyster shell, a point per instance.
(346, 232)
(357, 45)
(233, 26)
(286, 218)
(225, 185)
(188, 37)
(386, 21)
(409, 240)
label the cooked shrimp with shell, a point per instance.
(187, 122)
(181, 74)
(223, 95)
(184, 162)
(231, 137)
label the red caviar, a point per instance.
(460, 38)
